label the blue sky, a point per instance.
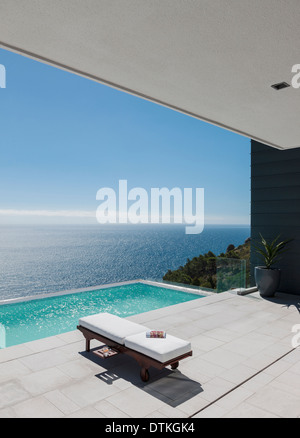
(63, 137)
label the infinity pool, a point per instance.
(39, 318)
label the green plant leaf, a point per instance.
(270, 251)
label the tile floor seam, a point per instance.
(49, 401)
(240, 384)
(33, 353)
(250, 404)
(121, 410)
(66, 396)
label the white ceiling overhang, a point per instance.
(212, 59)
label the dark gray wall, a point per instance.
(275, 207)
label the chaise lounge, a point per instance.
(123, 336)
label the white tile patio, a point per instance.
(243, 365)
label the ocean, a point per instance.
(45, 259)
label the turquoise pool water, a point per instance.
(40, 318)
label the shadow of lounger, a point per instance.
(169, 386)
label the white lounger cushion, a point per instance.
(111, 326)
(162, 350)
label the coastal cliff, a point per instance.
(202, 270)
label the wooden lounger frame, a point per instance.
(144, 361)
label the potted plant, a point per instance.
(267, 278)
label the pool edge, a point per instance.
(103, 286)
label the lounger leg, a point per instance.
(144, 374)
(87, 344)
(174, 365)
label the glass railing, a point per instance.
(190, 287)
(230, 273)
(224, 274)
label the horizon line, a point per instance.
(89, 215)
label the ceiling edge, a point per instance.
(61, 66)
